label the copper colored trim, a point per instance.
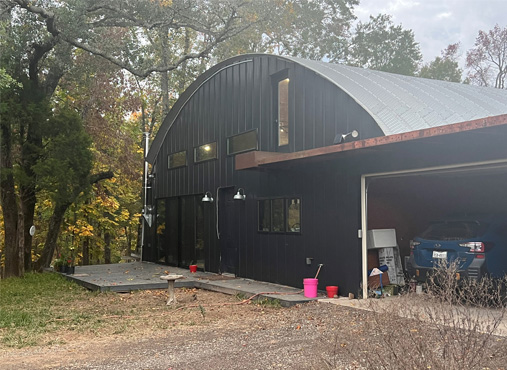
(258, 159)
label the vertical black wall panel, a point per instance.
(240, 98)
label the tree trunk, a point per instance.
(86, 251)
(9, 203)
(21, 242)
(164, 77)
(107, 247)
(10, 213)
(28, 206)
(183, 79)
(28, 197)
(54, 229)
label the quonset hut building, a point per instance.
(267, 166)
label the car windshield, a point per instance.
(454, 230)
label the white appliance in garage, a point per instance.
(384, 240)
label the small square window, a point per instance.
(205, 152)
(178, 159)
(280, 215)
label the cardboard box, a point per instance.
(374, 281)
(372, 259)
(391, 258)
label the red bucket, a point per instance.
(331, 291)
(193, 268)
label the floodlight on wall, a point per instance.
(342, 138)
(240, 195)
(208, 198)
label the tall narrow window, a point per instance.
(277, 215)
(283, 112)
(294, 215)
(265, 215)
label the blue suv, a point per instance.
(478, 244)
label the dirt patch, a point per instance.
(214, 331)
(205, 329)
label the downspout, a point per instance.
(364, 233)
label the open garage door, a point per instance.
(408, 200)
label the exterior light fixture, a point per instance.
(240, 195)
(341, 138)
(207, 197)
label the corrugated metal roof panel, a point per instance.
(402, 103)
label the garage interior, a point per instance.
(409, 202)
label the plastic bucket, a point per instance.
(310, 287)
(331, 290)
(193, 268)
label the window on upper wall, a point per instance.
(242, 142)
(176, 160)
(205, 152)
(280, 215)
(283, 112)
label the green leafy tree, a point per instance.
(445, 67)
(380, 45)
(63, 170)
(487, 61)
(302, 28)
(38, 45)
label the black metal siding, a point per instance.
(238, 99)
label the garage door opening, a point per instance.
(408, 200)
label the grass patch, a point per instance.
(34, 305)
(44, 309)
(41, 309)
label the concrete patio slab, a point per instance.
(126, 277)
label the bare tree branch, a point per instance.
(228, 27)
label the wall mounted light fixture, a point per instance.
(338, 139)
(207, 197)
(240, 195)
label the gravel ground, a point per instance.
(209, 330)
(300, 337)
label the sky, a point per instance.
(438, 23)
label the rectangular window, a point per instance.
(265, 215)
(277, 215)
(283, 112)
(294, 215)
(205, 152)
(178, 159)
(280, 215)
(242, 142)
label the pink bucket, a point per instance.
(310, 287)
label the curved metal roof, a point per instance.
(402, 104)
(397, 103)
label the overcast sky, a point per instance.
(438, 23)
